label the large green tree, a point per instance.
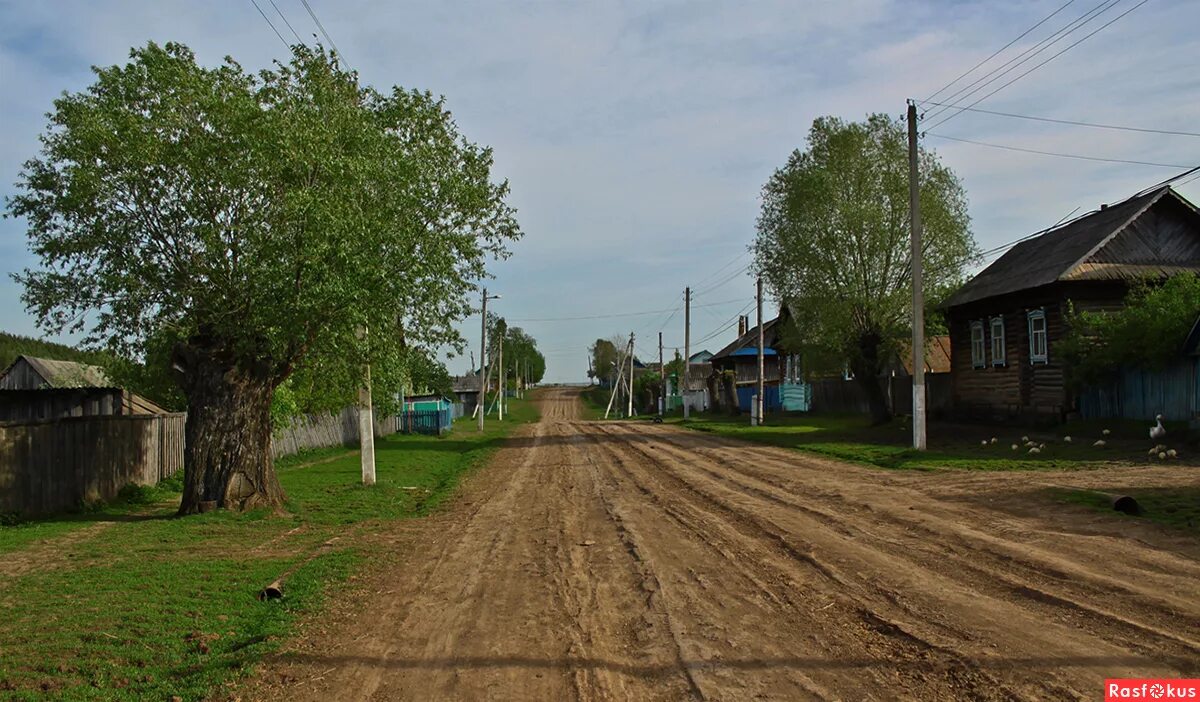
(833, 241)
(250, 225)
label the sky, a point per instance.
(636, 136)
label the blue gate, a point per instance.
(432, 422)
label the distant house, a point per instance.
(41, 388)
(704, 356)
(466, 391)
(735, 367)
(937, 357)
(1006, 321)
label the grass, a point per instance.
(148, 606)
(1175, 507)
(595, 400)
(953, 447)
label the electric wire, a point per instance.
(324, 33)
(270, 24)
(1055, 153)
(999, 51)
(1094, 125)
(285, 21)
(1043, 63)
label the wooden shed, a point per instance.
(41, 388)
(1006, 321)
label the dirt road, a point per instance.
(630, 561)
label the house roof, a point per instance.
(937, 355)
(1077, 250)
(750, 340)
(466, 383)
(64, 374)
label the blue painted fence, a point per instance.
(1140, 394)
(796, 397)
(425, 421)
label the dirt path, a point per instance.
(631, 561)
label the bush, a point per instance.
(1149, 332)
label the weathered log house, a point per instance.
(1005, 322)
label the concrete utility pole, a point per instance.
(503, 384)
(662, 380)
(760, 402)
(481, 403)
(366, 425)
(918, 310)
(687, 348)
(630, 412)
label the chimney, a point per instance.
(1104, 207)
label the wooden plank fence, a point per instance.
(57, 465)
(1173, 392)
(847, 396)
(62, 464)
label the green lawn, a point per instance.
(851, 438)
(130, 603)
(1176, 507)
(594, 400)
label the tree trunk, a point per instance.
(866, 367)
(227, 455)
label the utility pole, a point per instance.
(918, 309)
(760, 401)
(481, 403)
(687, 347)
(503, 384)
(662, 379)
(630, 412)
(366, 424)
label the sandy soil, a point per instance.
(631, 561)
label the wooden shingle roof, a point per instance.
(1155, 233)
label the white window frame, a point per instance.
(1038, 353)
(978, 345)
(998, 354)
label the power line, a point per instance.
(323, 32)
(1043, 63)
(1054, 153)
(1045, 43)
(270, 24)
(617, 314)
(285, 21)
(728, 263)
(1094, 125)
(731, 277)
(724, 325)
(998, 51)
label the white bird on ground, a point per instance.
(1015, 447)
(1106, 432)
(1035, 449)
(1158, 431)
(1067, 439)
(1172, 453)
(1099, 442)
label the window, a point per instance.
(998, 341)
(978, 347)
(1037, 337)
